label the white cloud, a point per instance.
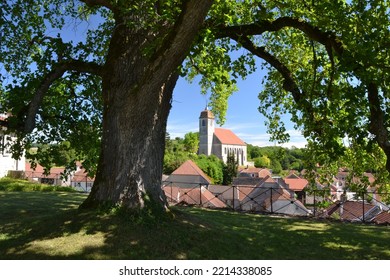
(263, 139)
(179, 129)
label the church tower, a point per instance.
(206, 132)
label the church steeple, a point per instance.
(206, 132)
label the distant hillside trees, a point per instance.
(191, 142)
(175, 154)
(277, 158)
(263, 162)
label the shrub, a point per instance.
(17, 185)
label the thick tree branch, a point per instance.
(377, 122)
(329, 40)
(289, 83)
(334, 47)
(99, 3)
(178, 41)
(48, 80)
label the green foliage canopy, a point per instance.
(327, 64)
(263, 162)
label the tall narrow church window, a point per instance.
(203, 123)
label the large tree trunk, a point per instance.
(133, 143)
(137, 93)
(135, 114)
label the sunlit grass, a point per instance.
(65, 246)
(10, 184)
(48, 225)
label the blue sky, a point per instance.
(242, 116)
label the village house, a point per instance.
(260, 194)
(188, 175)
(255, 172)
(80, 180)
(353, 211)
(54, 176)
(305, 193)
(234, 195)
(219, 141)
(188, 185)
(382, 218)
(343, 179)
(297, 185)
(272, 197)
(7, 162)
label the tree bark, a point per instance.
(136, 106)
(137, 92)
(132, 150)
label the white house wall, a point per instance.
(222, 151)
(8, 163)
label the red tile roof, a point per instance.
(296, 184)
(276, 200)
(345, 174)
(261, 172)
(82, 176)
(292, 175)
(350, 210)
(246, 181)
(55, 172)
(243, 192)
(265, 172)
(226, 136)
(193, 196)
(382, 218)
(190, 168)
(269, 179)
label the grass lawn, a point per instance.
(48, 225)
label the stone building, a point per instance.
(219, 141)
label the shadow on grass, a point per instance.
(49, 226)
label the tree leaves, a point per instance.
(331, 51)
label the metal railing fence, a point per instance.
(81, 183)
(354, 207)
(361, 206)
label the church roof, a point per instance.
(226, 136)
(206, 114)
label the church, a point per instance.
(219, 141)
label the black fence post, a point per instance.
(272, 208)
